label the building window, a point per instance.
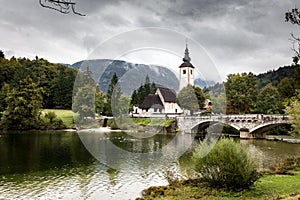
(184, 71)
(175, 110)
(191, 71)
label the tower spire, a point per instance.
(186, 53)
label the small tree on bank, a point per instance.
(228, 165)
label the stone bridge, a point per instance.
(250, 125)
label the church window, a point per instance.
(191, 71)
(184, 71)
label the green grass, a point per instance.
(268, 187)
(65, 115)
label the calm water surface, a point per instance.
(56, 165)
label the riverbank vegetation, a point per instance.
(268, 187)
(228, 172)
(226, 165)
(132, 123)
(66, 116)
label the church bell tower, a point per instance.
(186, 71)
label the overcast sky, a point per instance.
(237, 35)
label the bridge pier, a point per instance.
(245, 134)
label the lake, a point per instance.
(59, 165)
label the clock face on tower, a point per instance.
(186, 73)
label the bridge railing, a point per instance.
(244, 118)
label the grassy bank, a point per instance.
(268, 187)
(65, 115)
(129, 123)
(281, 182)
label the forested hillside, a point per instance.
(275, 76)
(55, 80)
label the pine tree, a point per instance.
(23, 106)
(113, 95)
(140, 94)
(153, 88)
(84, 98)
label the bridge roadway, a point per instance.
(250, 125)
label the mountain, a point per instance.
(204, 84)
(131, 75)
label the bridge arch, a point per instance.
(206, 123)
(265, 127)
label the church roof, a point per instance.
(151, 101)
(169, 95)
(186, 64)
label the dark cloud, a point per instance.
(251, 34)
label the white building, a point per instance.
(186, 71)
(160, 104)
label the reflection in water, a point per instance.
(122, 151)
(56, 165)
(267, 152)
(38, 151)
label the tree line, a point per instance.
(26, 86)
(30, 85)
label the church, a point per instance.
(163, 102)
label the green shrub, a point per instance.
(51, 121)
(112, 124)
(228, 165)
(51, 116)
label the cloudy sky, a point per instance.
(236, 35)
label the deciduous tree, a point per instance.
(286, 88)
(268, 101)
(191, 98)
(241, 93)
(293, 110)
(100, 101)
